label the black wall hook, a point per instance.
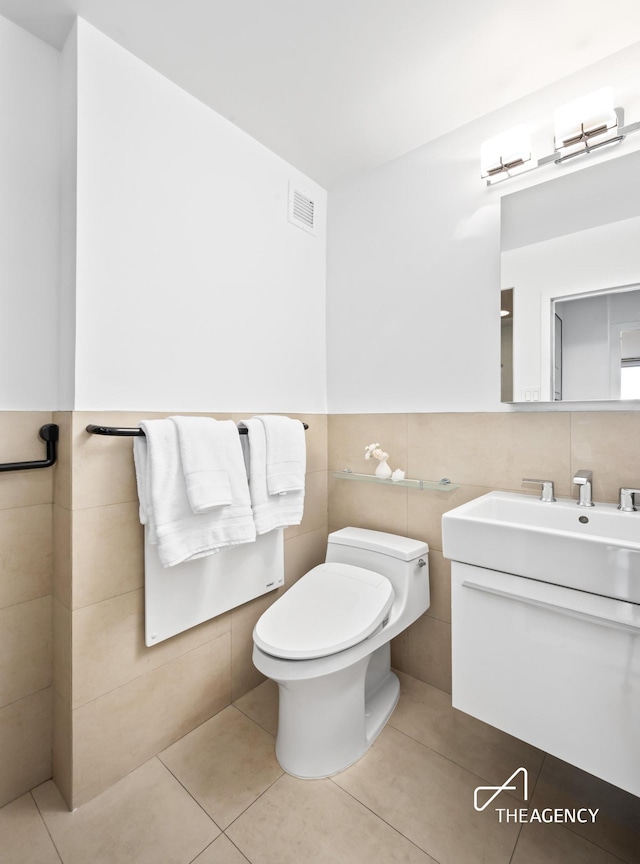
(49, 434)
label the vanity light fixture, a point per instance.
(586, 123)
(507, 154)
(580, 127)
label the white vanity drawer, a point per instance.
(553, 666)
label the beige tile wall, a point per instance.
(479, 452)
(25, 607)
(117, 702)
(114, 702)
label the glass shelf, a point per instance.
(443, 485)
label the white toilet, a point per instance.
(326, 644)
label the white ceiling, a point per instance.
(337, 87)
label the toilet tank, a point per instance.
(398, 558)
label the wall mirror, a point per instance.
(570, 286)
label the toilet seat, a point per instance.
(331, 608)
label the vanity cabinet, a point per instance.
(556, 667)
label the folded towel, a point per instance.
(286, 454)
(211, 455)
(180, 534)
(269, 511)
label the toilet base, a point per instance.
(326, 724)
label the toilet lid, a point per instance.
(332, 607)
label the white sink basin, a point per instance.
(594, 549)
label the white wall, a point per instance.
(414, 261)
(193, 292)
(68, 223)
(29, 220)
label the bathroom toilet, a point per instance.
(326, 643)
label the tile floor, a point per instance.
(218, 796)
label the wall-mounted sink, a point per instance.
(595, 549)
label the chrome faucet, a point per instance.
(627, 499)
(546, 493)
(583, 479)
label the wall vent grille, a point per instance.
(302, 210)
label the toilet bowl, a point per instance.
(326, 643)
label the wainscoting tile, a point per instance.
(349, 434)
(367, 505)
(26, 544)
(25, 744)
(108, 552)
(491, 449)
(25, 660)
(606, 442)
(121, 730)
(424, 651)
(302, 553)
(109, 648)
(426, 508)
(261, 705)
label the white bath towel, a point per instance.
(180, 534)
(269, 511)
(212, 461)
(286, 454)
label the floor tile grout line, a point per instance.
(235, 846)
(443, 756)
(515, 845)
(242, 711)
(539, 775)
(202, 851)
(222, 830)
(567, 826)
(193, 798)
(46, 827)
(193, 860)
(615, 855)
(249, 806)
(381, 818)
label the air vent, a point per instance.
(302, 210)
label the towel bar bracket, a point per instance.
(49, 434)
(114, 431)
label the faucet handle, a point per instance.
(627, 499)
(546, 493)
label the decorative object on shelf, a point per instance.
(397, 475)
(373, 450)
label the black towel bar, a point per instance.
(122, 431)
(49, 434)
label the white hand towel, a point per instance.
(286, 454)
(269, 511)
(182, 535)
(211, 456)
